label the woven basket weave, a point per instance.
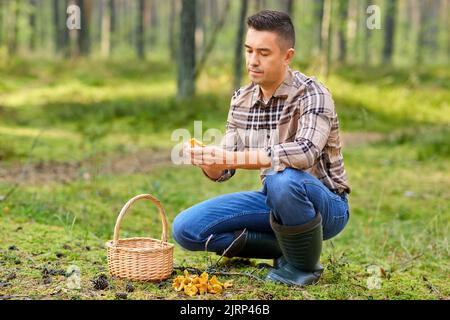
(140, 258)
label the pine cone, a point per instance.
(100, 283)
(121, 295)
(129, 287)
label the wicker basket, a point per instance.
(140, 258)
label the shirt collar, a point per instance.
(281, 92)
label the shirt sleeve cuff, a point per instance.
(273, 152)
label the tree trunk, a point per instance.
(200, 29)
(433, 27)
(1, 23)
(129, 6)
(446, 27)
(212, 40)
(352, 29)
(172, 19)
(32, 21)
(213, 11)
(238, 53)
(367, 37)
(106, 28)
(112, 24)
(140, 31)
(389, 30)
(428, 30)
(290, 8)
(57, 23)
(13, 12)
(415, 28)
(325, 38)
(186, 54)
(260, 5)
(84, 41)
(154, 22)
(319, 13)
(64, 33)
(343, 15)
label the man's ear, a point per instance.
(289, 56)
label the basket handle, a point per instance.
(128, 205)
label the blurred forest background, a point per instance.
(343, 32)
(87, 115)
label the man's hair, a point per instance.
(275, 21)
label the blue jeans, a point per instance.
(293, 196)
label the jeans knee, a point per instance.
(284, 185)
(181, 234)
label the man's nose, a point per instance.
(253, 60)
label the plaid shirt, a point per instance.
(298, 128)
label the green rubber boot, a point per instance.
(258, 245)
(301, 247)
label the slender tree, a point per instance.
(213, 10)
(367, 37)
(105, 41)
(60, 30)
(186, 55)
(318, 18)
(12, 27)
(140, 31)
(446, 26)
(172, 19)
(209, 46)
(1, 23)
(260, 5)
(389, 30)
(342, 30)
(112, 24)
(239, 45)
(290, 8)
(325, 38)
(201, 27)
(154, 22)
(32, 23)
(64, 33)
(84, 41)
(352, 30)
(427, 41)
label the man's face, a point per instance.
(265, 59)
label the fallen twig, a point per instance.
(226, 250)
(404, 265)
(432, 287)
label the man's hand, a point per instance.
(213, 160)
(211, 157)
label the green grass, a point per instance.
(399, 203)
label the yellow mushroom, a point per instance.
(194, 142)
(190, 290)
